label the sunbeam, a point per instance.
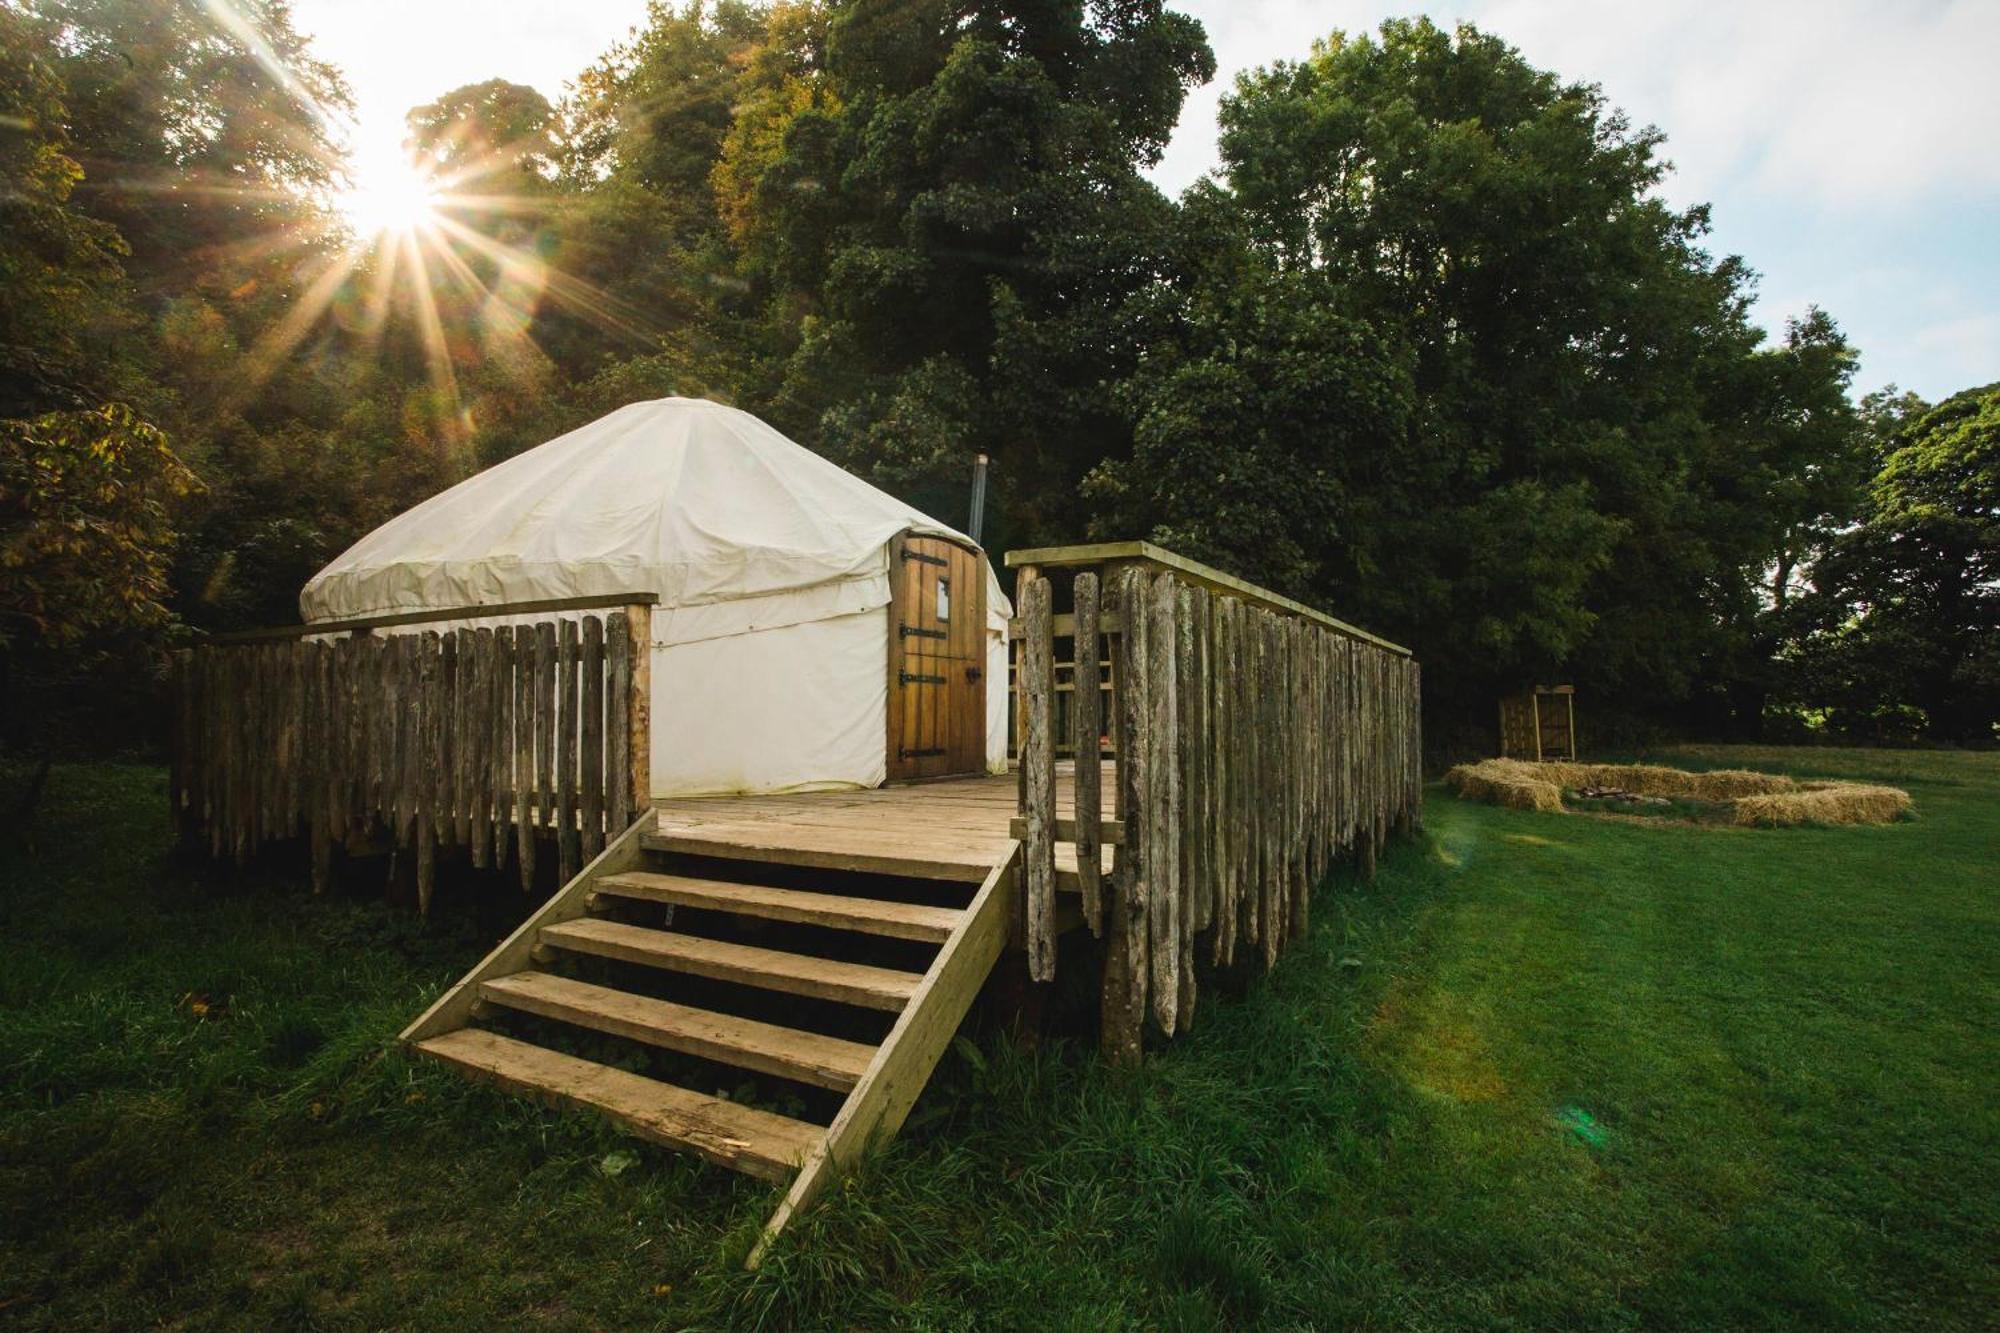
(279, 340)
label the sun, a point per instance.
(390, 194)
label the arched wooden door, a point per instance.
(937, 658)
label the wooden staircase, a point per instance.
(699, 969)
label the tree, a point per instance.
(941, 216)
(636, 233)
(486, 130)
(59, 269)
(1788, 475)
(86, 530)
(205, 133)
(1511, 409)
(1908, 600)
(85, 525)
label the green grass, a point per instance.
(1549, 1071)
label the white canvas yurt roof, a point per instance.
(734, 526)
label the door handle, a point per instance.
(972, 673)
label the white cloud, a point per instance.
(1849, 103)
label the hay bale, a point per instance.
(1658, 780)
(1729, 784)
(1510, 782)
(1824, 803)
(1761, 799)
(1639, 779)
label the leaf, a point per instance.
(970, 1053)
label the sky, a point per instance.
(1847, 146)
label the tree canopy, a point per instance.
(1429, 348)
(1905, 611)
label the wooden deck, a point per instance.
(952, 829)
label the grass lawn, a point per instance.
(1548, 1071)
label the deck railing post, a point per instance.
(1123, 1002)
(1038, 773)
(1087, 723)
(638, 737)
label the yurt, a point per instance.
(800, 608)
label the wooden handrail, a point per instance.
(1256, 741)
(482, 612)
(1114, 553)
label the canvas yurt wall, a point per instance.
(770, 639)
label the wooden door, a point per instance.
(937, 658)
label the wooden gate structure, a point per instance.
(481, 737)
(1539, 724)
(1256, 740)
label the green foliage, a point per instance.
(58, 267)
(199, 126)
(1906, 608)
(86, 508)
(1318, 408)
(482, 130)
(949, 218)
(1440, 357)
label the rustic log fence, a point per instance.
(1257, 741)
(483, 737)
(1071, 680)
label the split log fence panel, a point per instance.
(1256, 742)
(471, 738)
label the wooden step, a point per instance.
(771, 969)
(827, 849)
(757, 1142)
(864, 851)
(871, 916)
(809, 1057)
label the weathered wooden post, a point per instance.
(591, 678)
(1122, 1007)
(1038, 774)
(1086, 714)
(638, 734)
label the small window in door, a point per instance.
(944, 598)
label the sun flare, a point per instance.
(390, 194)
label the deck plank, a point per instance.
(868, 916)
(754, 1141)
(957, 829)
(809, 1057)
(772, 969)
